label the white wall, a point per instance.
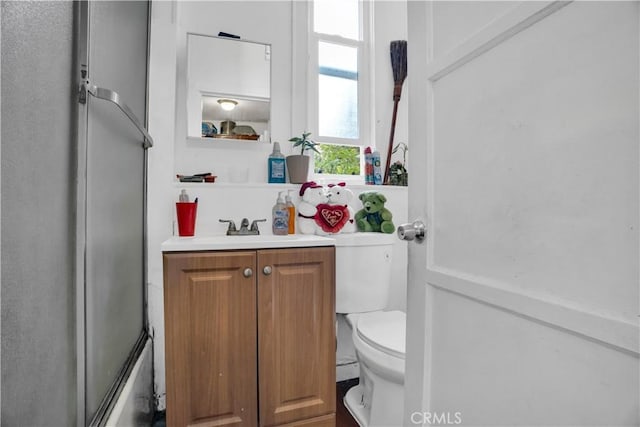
(160, 198)
(389, 23)
(261, 21)
(264, 21)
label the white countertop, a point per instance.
(263, 241)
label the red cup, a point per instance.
(186, 218)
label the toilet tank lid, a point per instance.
(384, 330)
(363, 239)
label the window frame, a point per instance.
(365, 104)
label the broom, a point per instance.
(399, 65)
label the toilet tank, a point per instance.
(363, 271)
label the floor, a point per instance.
(343, 417)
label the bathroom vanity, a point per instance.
(250, 331)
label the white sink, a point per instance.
(216, 243)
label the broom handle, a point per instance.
(397, 90)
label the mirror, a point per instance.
(228, 88)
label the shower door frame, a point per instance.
(82, 14)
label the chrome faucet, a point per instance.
(232, 226)
(244, 226)
(254, 225)
(245, 230)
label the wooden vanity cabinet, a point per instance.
(250, 337)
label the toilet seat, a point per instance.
(384, 331)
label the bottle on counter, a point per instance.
(368, 166)
(291, 209)
(280, 224)
(277, 174)
(377, 170)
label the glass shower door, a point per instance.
(111, 199)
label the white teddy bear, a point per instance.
(312, 195)
(339, 195)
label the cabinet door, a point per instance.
(296, 334)
(210, 342)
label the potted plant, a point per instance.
(298, 164)
(398, 174)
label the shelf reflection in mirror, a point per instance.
(248, 119)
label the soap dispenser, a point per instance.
(280, 225)
(292, 213)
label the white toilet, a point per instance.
(363, 277)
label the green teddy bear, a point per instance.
(374, 216)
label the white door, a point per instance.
(523, 300)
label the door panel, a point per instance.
(501, 368)
(455, 22)
(523, 303)
(545, 152)
(212, 349)
(296, 306)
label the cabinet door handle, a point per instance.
(247, 272)
(267, 270)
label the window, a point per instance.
(339, 84)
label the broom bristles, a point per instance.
(399, 60)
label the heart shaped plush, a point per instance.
(331, 218)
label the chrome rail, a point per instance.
(113, 96)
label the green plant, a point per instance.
(304, 143)
(338, 159)
(398, 174)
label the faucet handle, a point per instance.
(254, 224)
(232, 225)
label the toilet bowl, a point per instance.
(363, 267)
(379, 339)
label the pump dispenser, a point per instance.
(280, 225)
(292, 213)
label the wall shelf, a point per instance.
(235, 141)
(287, 186)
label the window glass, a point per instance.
(337, 91)
(336, 17)
(336, 56)
(338, 160)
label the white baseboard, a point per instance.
(347, 372)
